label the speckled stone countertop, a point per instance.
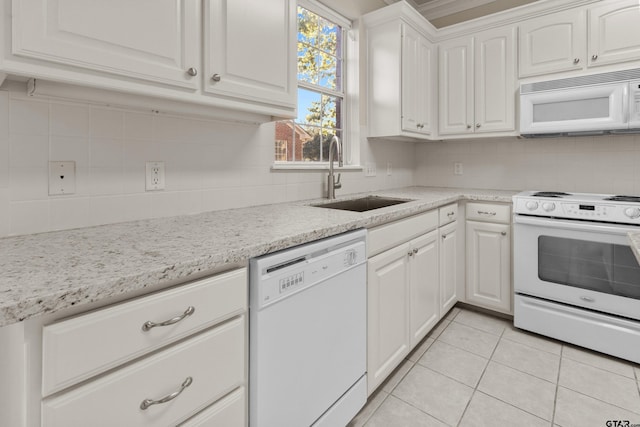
(634, 242)
(48, 272)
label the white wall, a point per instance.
(210, 165)
(605, 164)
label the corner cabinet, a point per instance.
(400, 63)
(488, 241)
(477, 84)
(236, 55)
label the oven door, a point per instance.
(581, 263)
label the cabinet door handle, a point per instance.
(192, 71)
(486, 213)
(148, 402)
(504, 233)
(149, 324)
(415, 251)
(477, 125)
(410, 253)
(444, 236)
(576, 60)
(450, 214)
(594, 57)
(468, 126)
(216, 77)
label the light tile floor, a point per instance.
(477, 370)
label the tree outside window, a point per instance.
(320, 92)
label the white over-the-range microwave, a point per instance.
(595, 104)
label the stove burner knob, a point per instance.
(632, 213)
(548, 206)
(531, 205)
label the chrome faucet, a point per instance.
(333, 183)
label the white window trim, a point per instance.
(351, 128)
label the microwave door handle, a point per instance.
(574, 225)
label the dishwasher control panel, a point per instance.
(290, 277)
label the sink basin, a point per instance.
(363, 204)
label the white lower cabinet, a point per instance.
(448, 266)
(196, 373)
(403, 291)
(488, 241)
(151, 362)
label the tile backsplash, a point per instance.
(210, 165)
(597, 164)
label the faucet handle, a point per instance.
(336, 182)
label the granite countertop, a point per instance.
(48, 272)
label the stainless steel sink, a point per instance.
(363, 204)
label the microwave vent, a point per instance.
(594, 79)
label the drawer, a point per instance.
(489, 212)
(393, 234)
(228, 412)
(81, 347)
(448, 214)
(215, 361)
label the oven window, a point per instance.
(601, 267)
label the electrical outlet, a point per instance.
(155, 176)
(457, 168)
(370, 169)
(62, 178)
(389, 168)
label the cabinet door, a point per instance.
(448, 267)
(489, 265)
(416, 82)
(552, 43)
(495, 80)
(152, 40)
(614, 32)
(250, 50)
(388, 313)
(424, 279)
(456, 87)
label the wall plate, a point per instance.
(62, 177)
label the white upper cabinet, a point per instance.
(456, 87)
(152, 40)
(401, 74)
(477, 83)
(605, 33)
(552, 43)
(248, 50)
(417, 79)
(187, 55)
(614, 32)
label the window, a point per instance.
(321, 94)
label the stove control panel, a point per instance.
(577, 210)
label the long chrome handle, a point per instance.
(216, 77)
(148, 402)
(149, 324)
(587, 299)
(487, 213)
(192, 71)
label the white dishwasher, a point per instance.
(308, 334)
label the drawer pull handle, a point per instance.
(188, 312)
(486, 213)
(450, 214)
(148, 402)
(587, 299)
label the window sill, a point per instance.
(314, 167)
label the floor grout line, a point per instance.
(555, 396)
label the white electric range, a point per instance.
(575, 276)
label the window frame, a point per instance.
(350, 69)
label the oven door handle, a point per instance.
(590, 227)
